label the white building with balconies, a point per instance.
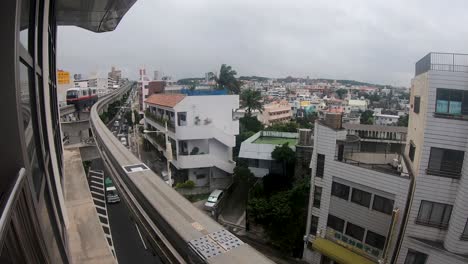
(202, 131)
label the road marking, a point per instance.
(142, 241)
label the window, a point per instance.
(317, 196)
(412, 150)
(464, 235)
(445, 162)
(415, 257)
(355, 231)
(340, 190)
(382, 204)
(434, 214)
(313, 225)
(320, 165)
(417, 102)
(375, 240)
(200, 176)
(451, 102)
(335, 223)
(361, 197)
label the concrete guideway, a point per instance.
(87, 243)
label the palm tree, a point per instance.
(227, 79)
(251, 100)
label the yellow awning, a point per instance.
(338, 253)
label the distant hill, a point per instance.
(253, 78)
(189, 81)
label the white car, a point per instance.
(213, 199)
(123, 140)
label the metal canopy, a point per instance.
(93, 15)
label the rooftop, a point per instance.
(168, 100)
(275, 140)
(438, 61)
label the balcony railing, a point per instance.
(442, 62)
(160, 120)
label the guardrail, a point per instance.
(174, 229)
(438, 61)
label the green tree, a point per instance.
(286, 156)
(403, 120)
(284, 127)
(251, 100)
(250, 123)
(227, 79)
(341, 93)
(367, 117)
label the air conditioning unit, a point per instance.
(395, 163)
(399, 168)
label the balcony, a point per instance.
(203, 161)
(160, 120)
(451, 62)
(389, 163)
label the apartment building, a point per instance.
(276, 112)
(202, 131)
(358, 195)
(436, 230)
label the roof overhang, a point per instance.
(93, 15)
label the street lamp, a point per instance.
(168, 152)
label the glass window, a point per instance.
(412, 150)
(340, 190)
(320, 165)
(417, 102)
(361, 197)
(434, 214)
(313, 225)
(382, 204)
(415, 257)
(317, 196)
(335, 223)
(25, 23)
(464, 235)
(445, 162)
(453, 102)
(375, 240)
(355, 231)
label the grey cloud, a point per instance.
(368, 40)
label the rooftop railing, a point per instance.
(437, 61)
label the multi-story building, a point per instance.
(436, 224)
(275, 112)
(385, 120)
(115, 75)
(201, 129)
(357, 198)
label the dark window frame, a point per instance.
(419, 257)
(445, 173)
(450, 94)
(464, 235)
(340, 190)
(376, 240)
(340, 223)
(429, 222)
(361, 197)
(383, 209)
(412, 150)
(317, 196)
(313, 225)
(320, 168)
(417, 104)
(352, 232)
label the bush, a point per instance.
(185, 185)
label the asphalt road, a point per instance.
(127, 242)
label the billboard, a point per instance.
(63, 77)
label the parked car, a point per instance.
(123, 140)
(165, 177)
(213, 199)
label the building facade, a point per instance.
(202, 132)
(356, 200)
(276, 112)
(436, 230)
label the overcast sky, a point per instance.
(365, 40)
